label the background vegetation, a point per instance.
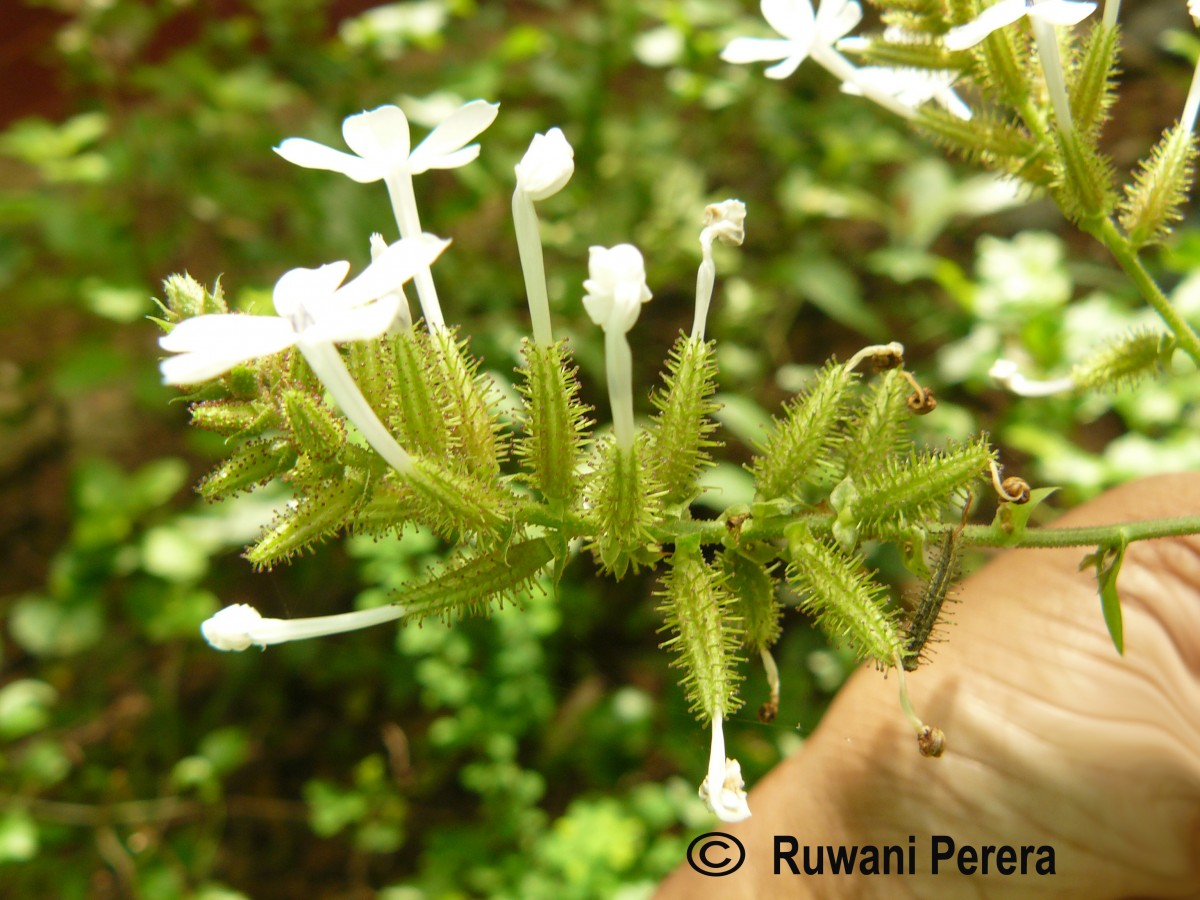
(545, 751)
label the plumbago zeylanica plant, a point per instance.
(377, 422)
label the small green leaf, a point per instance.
(1012, 518)
(1107, 561)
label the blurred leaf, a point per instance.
(170, 553)
(830, 287)
(18, 836)
(120, 304)
(43, 763)
(25, 707)
(332, 809)
(49, 627)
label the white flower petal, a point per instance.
(793, 19)
(311, 155)
(996, 16)
(1062, 12)
(836, 19)
(308, 289)
(452, 135)
(230, 628)
(394, 266)
(212, 345)
(748, 50)
(240, 336)
(449, 161)
(785, 68)
(379, 134)
(546, 166)
(360, 323)
(197, 367)
(617, 287)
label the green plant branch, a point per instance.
(769, 528)
(1127, 257)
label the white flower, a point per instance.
(546, 166)
(239, 626)
(616, 288)
(911, 87)
(314, 315)
(312, 309)
(1052, 12)
(723, 790)
(1194, 11)
(380, 139)
(804, 33)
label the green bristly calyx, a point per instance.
(704, 633)
(799, 448)
(838, 593)
(555, 423)
(681, 437)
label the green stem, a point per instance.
(1090, 536)
(1129, 260)
(772, 527)
(717, 531)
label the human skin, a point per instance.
(1052, 738)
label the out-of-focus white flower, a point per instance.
(912, 87)
(723, 789)
(804, 33)
(546, 166)
(1194, 11)
(380, 141)
(239, 626)
(616, 287)
(1008, 374)
(998, 15)
(616, 291)
(381, 145)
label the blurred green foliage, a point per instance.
(545, 751)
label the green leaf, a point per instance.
(1107, 561)
(1013, 518)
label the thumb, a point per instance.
(1053, 740)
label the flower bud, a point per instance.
(616, 288)
(546, 166)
